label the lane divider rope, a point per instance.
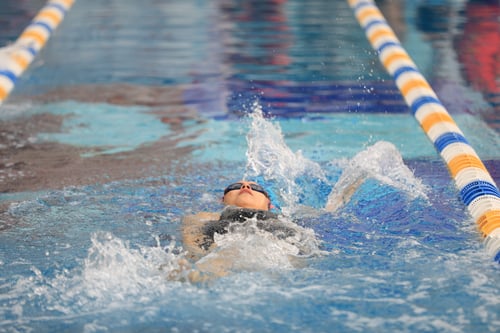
(15, 58)
(477, 188)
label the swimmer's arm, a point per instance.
(344, 190)
(192, 233)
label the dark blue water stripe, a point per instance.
(477, 189)
(423, 100)
(8, 74)
(447, 139)
(43, 25)
(497, 257)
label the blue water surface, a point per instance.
(97, 257)
(87, 259)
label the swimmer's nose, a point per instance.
(246, 186)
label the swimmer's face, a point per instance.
(247, 195)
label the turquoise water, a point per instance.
(325, 136)
(402, 255)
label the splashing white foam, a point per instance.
(113, 271)
(381, 161)
(113, 265)
(245, 247)
(269, 156)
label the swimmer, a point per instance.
(243, 200)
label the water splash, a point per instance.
(246, 247)
(381, 161)
(268, 156)
(114, 275)
(118, 276)
(300, 179)
(112, 265)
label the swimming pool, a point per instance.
(135, 116)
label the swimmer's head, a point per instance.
(247, 195)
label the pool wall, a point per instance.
(477, 188)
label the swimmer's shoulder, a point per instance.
(194, 239)
(204, 216)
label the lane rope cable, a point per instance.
(477, 188)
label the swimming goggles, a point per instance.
(237, 186)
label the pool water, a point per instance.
(142, 114)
